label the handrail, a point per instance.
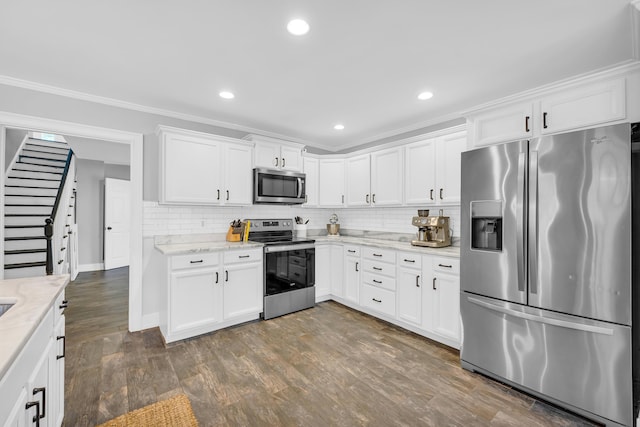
(49, 222)
(62, 183)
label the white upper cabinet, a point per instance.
(448, 153)
(312, 184)
(332, 182)
(510, 123)
(238, 174)
(583, 106)
(432, 171)
(189, 169)
(358, 171)
(202, 169)
(420, 178)
(272, 153)
(564, 108)
(386, 177)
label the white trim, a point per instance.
(615, 71)
(135, 142)
(15, 156)
(150, 320)
(83, 268)
(54, 90)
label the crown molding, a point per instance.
(112, 102)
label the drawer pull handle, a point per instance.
(378, 255)
(445, 265)
(434, 284)
(64, 304)
(36, 418)
(197, 262)
(376, 300)
(409, 260)
(377, 281)
(351, 251)
(226, 275)
(217, 277)
(42, 390)
(377, 268)
(64, 347)
(418, 281)
(244, 256)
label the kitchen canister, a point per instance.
(300, 229)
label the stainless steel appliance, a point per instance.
(289, 267)
(433, 231)
(278, 187)
(546, 269)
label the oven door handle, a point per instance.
(286, 248)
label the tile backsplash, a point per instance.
(166, 219)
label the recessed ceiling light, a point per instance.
(425, 95)
(226, 94)
(298, 27)
(338, 127)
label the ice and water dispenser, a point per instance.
(486, 225)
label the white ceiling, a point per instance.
(362, 63)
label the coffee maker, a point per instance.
(433, 231)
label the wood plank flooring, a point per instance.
(326, 366)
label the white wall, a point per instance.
(12, 142)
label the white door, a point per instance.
(331, 182)
(238, 174)
(420, 180)
(117, 222)
(448, 154)
(311, 170)
(358, 173)
(386, 177)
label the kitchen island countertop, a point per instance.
(33, 296)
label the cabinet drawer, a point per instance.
(204, 259)
(409, 260)
(381, 268)
(377, 299)
(235, 256)
(385, 255)
(378, 280)
(446, 265)
(352, 250)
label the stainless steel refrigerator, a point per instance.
(546, 269)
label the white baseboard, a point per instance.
(150, 320)
(90, 267)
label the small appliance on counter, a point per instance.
(433, 231)
(333, 228)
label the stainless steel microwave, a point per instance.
(276, 186)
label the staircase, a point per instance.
(31, 187)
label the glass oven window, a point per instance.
(286, 271)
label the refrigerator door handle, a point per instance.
(533, 222)
(546, 320)
(520, 221)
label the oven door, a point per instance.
(273, 186)
(289, 267)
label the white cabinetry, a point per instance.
(337, 266)
(352, 273)
(562, 109)
(210, 290)
(32, 389)
(203, 169)
(323, 271)
(358, 171)
(312, 183)
(332, 182)
(378, 286)
(443, 298)
(432, 170)
(272, 153)
(386, 177)
(409, 287)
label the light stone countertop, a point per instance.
(448, 251)
(33, 296)
(210, 246)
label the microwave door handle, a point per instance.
(299, 187)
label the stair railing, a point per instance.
(55, 229)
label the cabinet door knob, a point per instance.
(218, 194)
(526, 123)
(367, 198)
(217, 277)
(227, 194)
(283, 162)
(64, 347)
(42, 390)
(357, 266)
(275, 162)
(226, 275)
(431, 194)
(343, 198)
(434, 284)
(544, 120)
(417, 281)
(36, 417)
(441, 194)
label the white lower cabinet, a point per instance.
(409, 287)
(442, 298)
(32, 389)
(208, 291)
(378, 299)
(337, 266)
(323, 272)
(352, 273)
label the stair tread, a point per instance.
(27, 195)
(27, 214)
(26, 156)
(26, 264)
(24, 226)
(24, 251)
(40, 164)
(9, 239)
(29, 170)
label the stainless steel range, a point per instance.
(289, 267)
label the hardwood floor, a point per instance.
(328, 365)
